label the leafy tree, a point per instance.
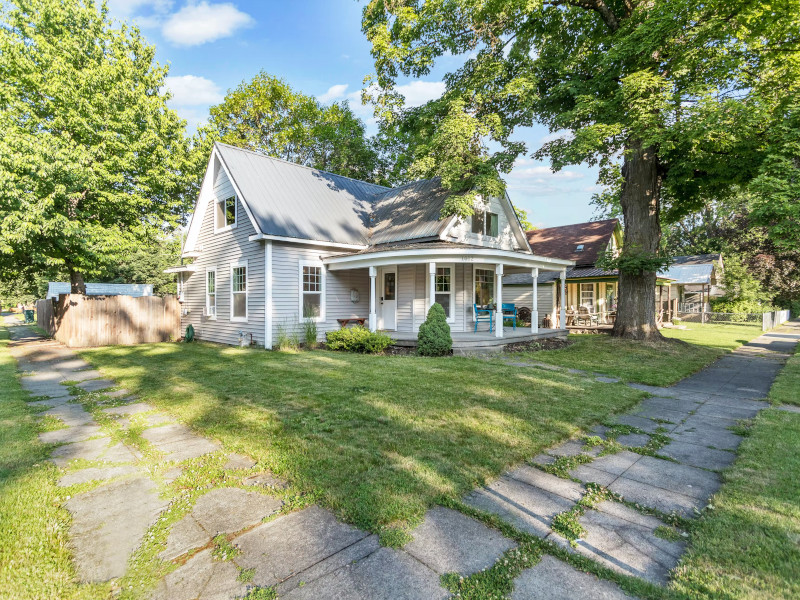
(683, 92)
(89, 154)
(743, 292)
(522, 215)
(145, 263)
(266, 115)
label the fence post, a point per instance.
(764, 321)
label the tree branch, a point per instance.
(598, 6)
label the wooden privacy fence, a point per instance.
(80, 321)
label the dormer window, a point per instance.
(226, 213)
(579, 248)
(485, 223)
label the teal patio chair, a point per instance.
(510, 312)
(482, 315)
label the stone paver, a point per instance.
(292, 543)
(450, 542)
(178, 442)
(386, 574)
(108, 524)
(129, 409)
(70, 414)
(95, 474)
(70, 434)
(96, 385)
(201, 578)
(264, 480)
(552, 579)
(96, 449)
(698, 456)
(224, 510)
(239, 461)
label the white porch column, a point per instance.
(431, 286)
(373, 315)
(498, 325)
(562, 317)
(535, 310)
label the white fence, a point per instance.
(767, 320)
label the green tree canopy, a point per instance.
(670, 97)
(90, 153)
(266, 115)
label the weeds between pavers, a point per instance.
(566, 523)
(223, 548)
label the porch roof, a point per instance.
(391, 254)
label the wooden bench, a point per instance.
(345, 322)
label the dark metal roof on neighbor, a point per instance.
(409, 212)
(562, 242)
(550, 276)
(291, 200)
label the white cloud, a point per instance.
(335, 92)
(556, 135)
(541, 173)
(418, 93)
(199, 23)
(191, 90)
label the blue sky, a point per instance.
(317, 46)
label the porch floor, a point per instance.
(482, 341)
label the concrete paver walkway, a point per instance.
(308, 553)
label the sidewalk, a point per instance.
(137, 476)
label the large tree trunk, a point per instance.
(77, 286)
(636, 314)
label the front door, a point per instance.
(388, 299)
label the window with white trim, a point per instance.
(227, 211)
(312, 291)
(211, 293)
(239, 291)
(445, 289)
(587, 296)
(484, 286)
(485, 223)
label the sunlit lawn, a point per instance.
(662, 363)
(377, 438)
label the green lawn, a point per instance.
(34, 559)
(376, 438)
(662, 363)
(786, 389)
(749, 545)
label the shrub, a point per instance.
(287, 342)
(358, 339)
(434, 334)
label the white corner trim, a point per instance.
(268, 295)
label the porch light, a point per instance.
(354, 296)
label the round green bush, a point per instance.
(434, 338)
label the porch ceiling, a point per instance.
(462, 254)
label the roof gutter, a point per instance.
(293, 240)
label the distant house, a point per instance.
(588, 287)
(695, 280)
(56, 288)
(275, 244)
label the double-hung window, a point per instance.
(226, 213)
(211, 293)
(587, 296)
(444, 289)
(312, 291)
(485, 223)
(239, 291)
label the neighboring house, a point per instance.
(695, 279)
(56, 288)
(586, 284)
(275, 243)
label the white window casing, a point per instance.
(483, 275)
(224, 208)
(311, 291)
(211, 293)
(445, 292)
(239, 291)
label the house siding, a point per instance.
(521, 295)
(218, 250)
(462, 230)
(286, 261)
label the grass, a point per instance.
(749, 545)
(661, 363)
(34, 559)
(378, 439)
(786, 389)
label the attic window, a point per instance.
(226, 213)
(485, 223)
(579, 248)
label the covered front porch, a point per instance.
(467, 342)
(404, 282)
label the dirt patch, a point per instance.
(537, 345)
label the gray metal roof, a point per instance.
(691, 273)
(56, 288)
(409, 212)
(291, 200)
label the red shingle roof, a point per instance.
(562, 242)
